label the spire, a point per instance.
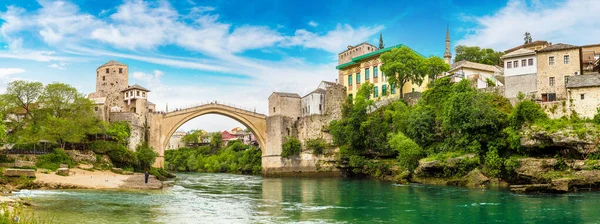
(447, 54)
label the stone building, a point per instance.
(176, 140)
(520, 73)
(534, 46)
(115, 100)
(583, 93)
(314, 102)
(591, 58)
(555, 65)
(476, 72)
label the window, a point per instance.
(144, 94)
(375, 72)
(413, 90)
(523, 63)
(551, 81)
(274, 107)
(548, 97)
(393, 88)
(96, 108)
(509, 64)
(530, 61)
(551, 60)
(138, 93)
(384, 89)
(376, 91)
(320, 108)
(582, 96)
(516, 64)
(357, 78)
(107, 71)
(103, 78)
(566, 59)
(366, 74)
(350, 80)
(566, 80)
(120, 70)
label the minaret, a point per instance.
(447, 54)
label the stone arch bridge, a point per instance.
(163, 125)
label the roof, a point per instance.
(350, 47)
(474, 65)
(374, 53)
(294, 95)
(519, 52)
(112, 63)
(318, 90)
(526, 45)
(558, 47)
(580, 81)
(135, 86)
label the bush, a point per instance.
(122, 157)
(53, 160)
(102, 147)
(291, 147)
(318, 145)
(160, 173)
(409, 153)
(526, 112)
(494, 164)
(145, 156)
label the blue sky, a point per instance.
(192, 51)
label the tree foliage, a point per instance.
(145, 156)
(476, 54)
(402, 65)
(409, 152)
(216, 141)
(204, 159)
(291, 147)
(527, 38)
(119, 130)
(381, 45)
(436, 66)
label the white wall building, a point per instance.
(314, 102)
(476, 71)
(520, 73)
(176, 140)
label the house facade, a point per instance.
(520, 73)
(583, 94)
(555, 65)
(476, 72)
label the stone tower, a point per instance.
(447, 54)
(111, 78)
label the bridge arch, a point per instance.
(166, 124)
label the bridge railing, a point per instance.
(192, 106)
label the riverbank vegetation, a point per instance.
(451, 120)
(235, 157)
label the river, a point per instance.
(227, 198)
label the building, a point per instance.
(246, 137)
(534, 46)
(583, 93)
(478, 73)
(115, 100)
(360, 64)
(555, 65)
(314, 102)
(176, 140)
(520, 73)
(591, 58)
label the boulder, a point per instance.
(20, 163)
(434, 167)
(82, 156)
(532, 188)
(62, 171)
(475, 179)
(19, 172)
(567, 138)
(117, 170)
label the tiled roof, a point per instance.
(519, 52)
(374, 53)
(580, 81)
(474, 65)
(318, 90)
(295, 95)
(135, 86)
(111, 63)
(526, 45)
(558, 47)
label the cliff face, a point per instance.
(582, 140)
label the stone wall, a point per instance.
(495, 89)
(136, 126)
(556, 109)
(558, 70)
(520, 83)
(285, 104)
(587, 107)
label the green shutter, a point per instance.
(357, 77)
(366, 74)
(376, 91)
(349, 80)
(374, 71)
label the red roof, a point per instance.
(226, 136)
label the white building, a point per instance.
(176, 140)
(520, 73)
(476, 72)
(314, 102)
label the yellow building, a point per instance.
(360, 64)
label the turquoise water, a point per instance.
(226, 198)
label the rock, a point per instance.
(19, 172)
(567, 138)
(117, 170)
(82, 156)
(127, 173)
(533, 168)
(475, 179)
(7, 164)
(20, 163)
(532, 188)
(435, 167)
(62, 171)
(64, 165)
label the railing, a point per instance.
(193, 106)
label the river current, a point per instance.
(227, 198)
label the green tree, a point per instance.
(527, 38)
(291, 147)
(436, 66)
(216, 141)
(476, 54)
(23, 94)
(146, 156)
(381, 45)
(347, 131)
(409, 152)
(402, 65)
(2, 131)
(119, 130)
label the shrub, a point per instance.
(409, 152)
(119, 130)
(291, 147)
(597, 116)
(524, 112)
(318, 145)
(122, 157)
(145, 156)
(493, 163)
(102, 147)
(53, 160)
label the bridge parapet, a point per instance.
(231, 107)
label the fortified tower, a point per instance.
(111, 79)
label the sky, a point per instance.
(238, 52)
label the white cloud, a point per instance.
(573, 22)
(5, 72)
(335, 40)
(60, 65)
(313, 23)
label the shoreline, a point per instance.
(97, 179)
